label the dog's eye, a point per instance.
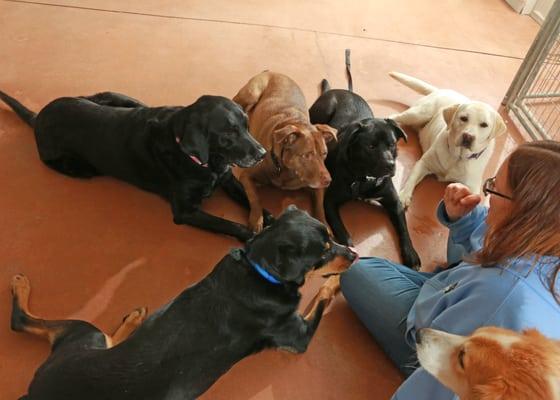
(460, 358)
(484, 125)
(371, 146)
(307, 156)
(464, 118)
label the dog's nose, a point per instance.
(467, 140)
(325, 180)
(261, 152)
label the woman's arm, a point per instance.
(461, 230)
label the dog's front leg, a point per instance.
(294, 336)
(390, 201)
(302, 328)
(419, 172)
(319, 205)
(332, 214)
(234, 189)
(195, 217)
(256, 211)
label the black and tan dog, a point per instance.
(246, 304)
(362, 162)
(180, 153)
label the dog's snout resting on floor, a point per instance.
(246, 304)
(361, 163)
(180, 153)
(297, 149)
(457, 135)
(493, 363)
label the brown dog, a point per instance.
(492, 363)
(279, 120)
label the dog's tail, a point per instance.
(325, 87)
(348, 73)
(23, 112)
(414, 83)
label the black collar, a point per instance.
(473, 156)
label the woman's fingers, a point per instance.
(470, 201)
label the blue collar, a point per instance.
(262, 272)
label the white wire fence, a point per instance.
(534, 95)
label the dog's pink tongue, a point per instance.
(197, 160)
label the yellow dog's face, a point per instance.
(472, 126)
(493, 363)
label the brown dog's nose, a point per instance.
(325, 180)
(467, 140)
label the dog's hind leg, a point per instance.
(129, 325)
(415, 116)
(23, 321)
(72, 166)
(114, 100)
(250, 94)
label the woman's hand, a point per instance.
(459, 201)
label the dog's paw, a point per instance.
(329, 289)
(256, 222)
(20, 285)
(136, 317)
(394, 117)
(405, 199)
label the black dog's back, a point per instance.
(99, 133)
(338, 108)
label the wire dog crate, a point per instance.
(534, 95)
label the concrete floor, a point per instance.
(95, 249)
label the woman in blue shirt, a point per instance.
(508, 258)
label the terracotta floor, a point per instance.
(97, 249)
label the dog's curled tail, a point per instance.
(414, 83)
(23, 112)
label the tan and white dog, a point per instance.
(456, 134)
(493, 363)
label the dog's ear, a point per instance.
(449, 113)
(499, 126)
(286, 135)
(399, 133)
(193, 140)
(495, 389)
(328, 132)
(276, 255)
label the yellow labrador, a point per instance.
(456, 134)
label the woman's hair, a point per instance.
(533, 226)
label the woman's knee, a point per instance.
(366, 272)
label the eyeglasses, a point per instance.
(489, 186)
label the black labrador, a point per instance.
(362, 162)
(246, 304)
(180, 153)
